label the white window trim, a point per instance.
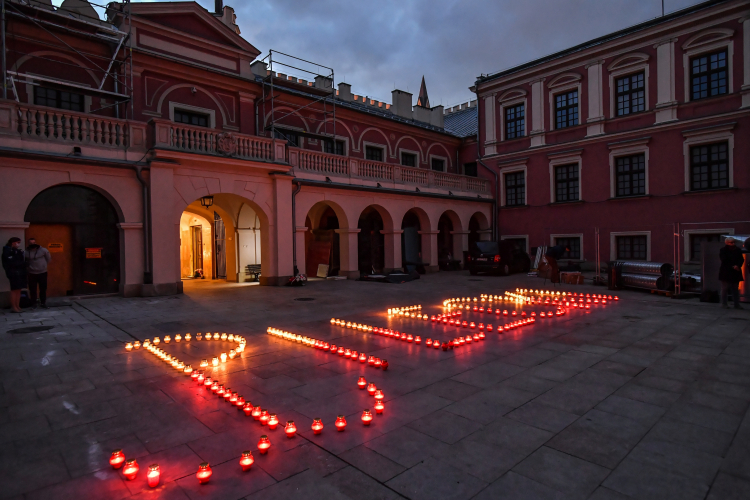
(553, 111)
(626, 149)
(341, 138)
(565, 160)
(410, 151)
(510, 104)
(517, 237)
(571, 235)
(510, 169)
(687, 258)
(438, 157)
(711, 135)
(630, 70)
(381, 147)
(704, 49)
(613, 242)
(210, 112)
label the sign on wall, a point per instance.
(94, 253)
(55, 247)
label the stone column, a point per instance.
(131, 258)
(277, 268)
(349, 252)
(745, 62)
(392, 250)
(490, 137)
(165, 234)
(430, 250)
(666, 105)
(537, 113)
(299, 235)
(460, 245)
(595, 119)
(9, 230)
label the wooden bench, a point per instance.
(253, 270)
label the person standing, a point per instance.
(554, 254)
(15, 270)
(730, 272)
(37, 258)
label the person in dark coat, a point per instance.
(730, 272)
(554, 254)
(14, 265)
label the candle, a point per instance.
(153, 475)
(366, 417)
(290, 429)
(317, 426)
(128, 346)
(264, 444)
(248, 409)
(131, 469)
(379, 396)
(204, 473)
(264, 417)
(340, 423)
(384, 365)
(247, 460)
(273, 421)
(117, 459)
(379, 406)
(361, 382)
(371, 388)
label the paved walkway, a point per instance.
(647, 398)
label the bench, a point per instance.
(253, 270)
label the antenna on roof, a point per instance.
(662, 8)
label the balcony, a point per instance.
(315, 166)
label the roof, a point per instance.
(464, 123)
(601, 40)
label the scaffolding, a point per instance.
(324, 94)
(118, 67)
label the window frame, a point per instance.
(703, 136)
(381, 147)
(192, 114)
(417, 159)
(58, 95)
(504, 107)
(335, 141)
(506, 187)
(553, 106)
(626, 148)
(616, 234)
(192, 109)
(687, 256)
(630, 174)
(692, 166)
(695, 48)
(509, 169)
(565, 159)
(553, 238)
(441, 158)
(628, 64)
(617, 94)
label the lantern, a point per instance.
(263, 444)
(215, 387)
(384, 365)
(340, 423)
(379, 406)
(223, 357)
(117, 459)
(366, 417)
(363, 358)
(256, 412)
(371, 360)
(341, 351)
(361, 382)
(156, 340)
(379, 396)
(177, 337)
(131, 469)
(290, 429)
(188, 337)
(333, 348)
(248, 409)
(128, 346)
(317, 426)
(436, 344)
(378, 363)
(137, 344)
(204, 363)
(215, 361)
(371, 388)
(247, 460)
(204, 473)
(153, 475)
(354, 355)
(223, 336)
(264, 417)
(505, 312)
(220, 391)
(273, 421)
(207, 382)
(167, 339)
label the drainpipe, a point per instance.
(495, 225)
(148, 278)
(294, 225)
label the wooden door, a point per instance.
(58, 239)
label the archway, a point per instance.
(322, 241)
(371, 241)
(196, 249)
(78, 225)
(411, 242)
(478, 228)
(445, 243)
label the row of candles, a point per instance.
(129, 346)
(331, 348)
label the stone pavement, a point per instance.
(647, 398)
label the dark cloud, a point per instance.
(375, 45)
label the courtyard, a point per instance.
(645, 397)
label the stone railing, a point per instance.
(59, 125)
(201, 140)
(310, 164)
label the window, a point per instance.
(328, 147)
(408, 159)
(632, 247)
(631, 94)
(566, 109)
(574, 246)
(373, 153)
(515, 123)
(709, 167)
(709, 75)
(566, 183)
(470, 169)
(438, 165)
(288, 135)
(631, 175)
(58, 99)
(191, 118)
(515, 189)
(695, 244)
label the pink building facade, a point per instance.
(619, 139)
(139, 172)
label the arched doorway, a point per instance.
(196, 249)
(322, 242)
(411, 242)
(249, 243)
(371, 242)
(445, 243)
(78, 225)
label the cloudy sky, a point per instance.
(376, 45)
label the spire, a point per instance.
(423, 100)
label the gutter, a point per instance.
(148, 277)
(495, 222)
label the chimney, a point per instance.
(323, 82)
(259, 68)
(436, 116)
(345, 92)
(401, 104)
(219, 7)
